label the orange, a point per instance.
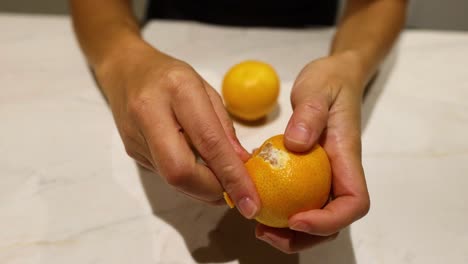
(287, 182)
(250, 90)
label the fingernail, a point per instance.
(266, 239)
(301, 227)
(247, 207)
(298, 133)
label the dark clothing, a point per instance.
(272, 13)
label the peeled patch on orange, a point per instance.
(250, 90)
(287, 182)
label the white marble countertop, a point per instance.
(69, 194)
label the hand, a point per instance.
(162, 108)
(326, 99)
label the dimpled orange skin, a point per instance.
(302, 184)
(250, 90)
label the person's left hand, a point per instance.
(326, 99)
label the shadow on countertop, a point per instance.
(233, 238)
(376, 86)
(218, 234)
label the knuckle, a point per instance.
(131, 153)
(181, 82)
(364, 206)
(218, 96)
(315, 107)
(176, 175)
(229, 127)
(178, 75)
(211, 150)
(137, 107)
(210, 145)
(229, 179)
(126, 132)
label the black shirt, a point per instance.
(273, 13)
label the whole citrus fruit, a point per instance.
(250, 90)
(287, 182)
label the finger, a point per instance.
(172, 155)
(307, 122)
(136, 148)
(226, 122)
(349, 187)
(337, 215)
(144, 162)
(289, 241)
(196, 115)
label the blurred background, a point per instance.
(430, 14)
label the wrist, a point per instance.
(120, 55)
(122, 64)
(357, 70)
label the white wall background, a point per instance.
(438, 14)
(435, 14)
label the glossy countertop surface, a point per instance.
(69, 194)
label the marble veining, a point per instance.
(69, 194)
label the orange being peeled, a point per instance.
(287, 182)
(250, 90)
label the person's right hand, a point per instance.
(163, 109)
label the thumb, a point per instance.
(307, 122)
